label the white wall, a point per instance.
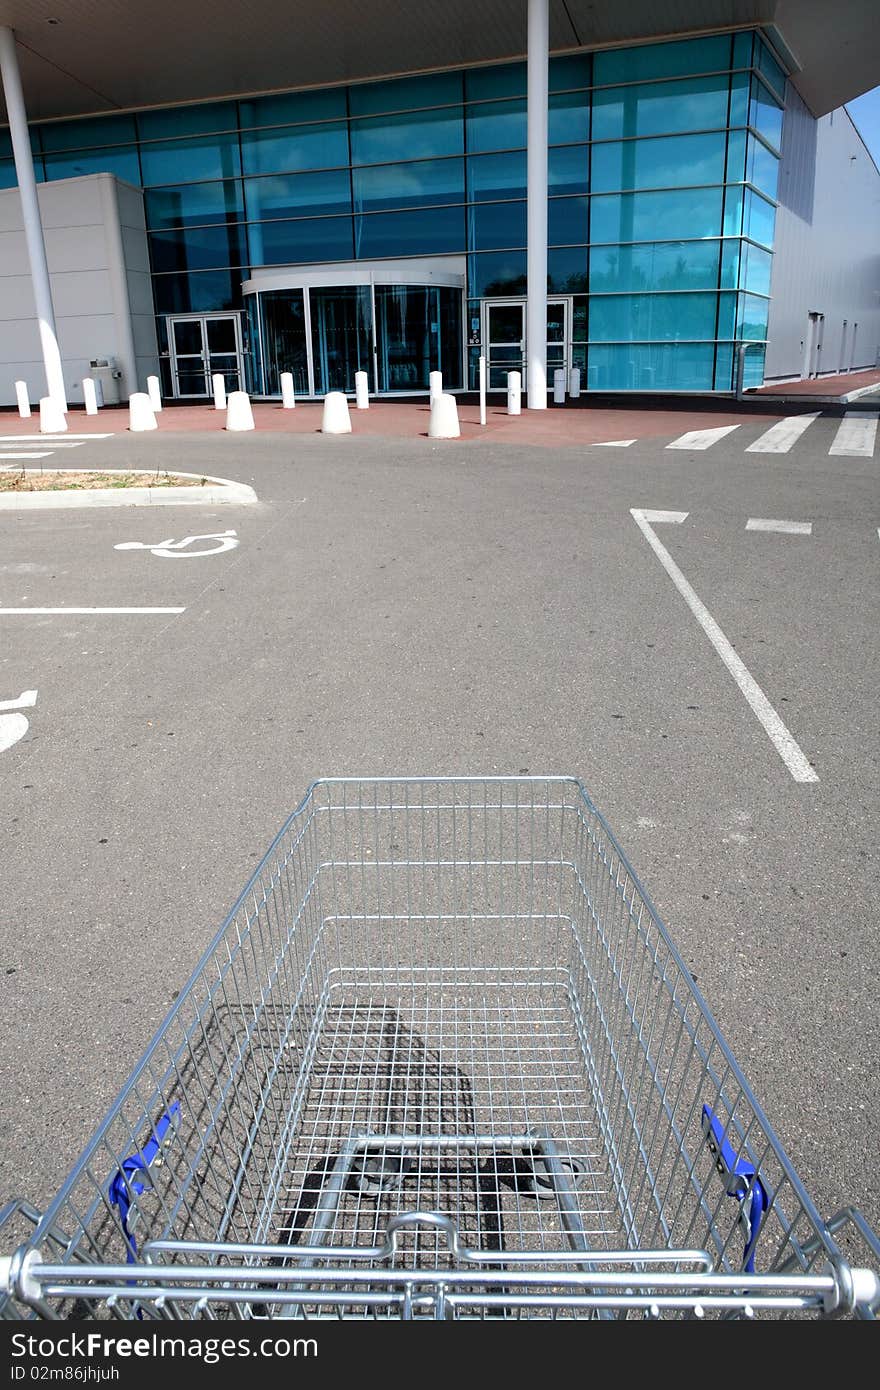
(827, 246)
(94, 290)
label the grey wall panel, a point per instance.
(827, 247)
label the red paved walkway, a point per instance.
(548, 428)
(822, 386)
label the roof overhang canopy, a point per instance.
(88, 56)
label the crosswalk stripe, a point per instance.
(780, 437)
(701, 439)
(790, 528)
(49, 438)
(855, 435)
(29, 455)
(614, 443)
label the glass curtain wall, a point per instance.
(663, 164)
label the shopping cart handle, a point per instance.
(132, 1178)
(741, 1181)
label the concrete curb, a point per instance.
(226, 492)
(862, 391)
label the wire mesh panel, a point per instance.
(441, 1060)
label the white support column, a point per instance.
(30, 208)
(536, 265)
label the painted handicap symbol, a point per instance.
(14, 726)
(177, 550)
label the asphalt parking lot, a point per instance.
(403, 606)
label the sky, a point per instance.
(865, 111)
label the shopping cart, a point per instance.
(441, 1061)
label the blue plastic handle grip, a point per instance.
(749, 1192)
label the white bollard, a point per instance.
(574, 383)
(239, 415)
(52, 417)
(154, 391)
(559, 386)
(514, 393)
(24, 404)
(218, 386)
(90, 396)
(362, 390)
(335, 419)
(288, 395)
(482, 390)
(444, 418)
(435, 384)
(141, 415)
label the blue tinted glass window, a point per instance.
(495, 225)
(295, 147)
(568, 118)
(432, 232)
(765, 115)
(757, 266)
(724, 367)
(200, 293)
(753, 373)
(651, 366)
(740, 87)
(623, 317)
(186, 161)
(309, 239)
(572, 70)
(194, 204)
(298, 195)
(567, 167)
(7, 174)
(726, 322)
(769, 68)
(6, 142)
(759, 218)
(673, 216)
(742, 49)
(567, 221)
(752, 317)
(292, 107)
(665, 265)
(121, 161)
(658, 163)
(416, 135)
(81, 135)
(661, 60)
(498, 175)
(501, 80)
(762, 168)
(187, 120)
(736, 156)
(497, 273)
(730, 263)
(700, 103)
(405, 93)
(197, 248)
(496, 125)
(416, 184)
(567, 270)
(733, 210)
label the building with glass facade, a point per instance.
(383, 225)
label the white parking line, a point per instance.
(790, 528)
(701, 439)
(781, 436)
(48, 438)
(31, 454)
(613, 443)
(789, 751)
(26, 612)
(855, 435)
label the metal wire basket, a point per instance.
(442, 1060)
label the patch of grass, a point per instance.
(30, 480)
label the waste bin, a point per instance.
(108, 380)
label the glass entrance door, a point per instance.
(504, 336)
(204, 345)
(342, 336)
